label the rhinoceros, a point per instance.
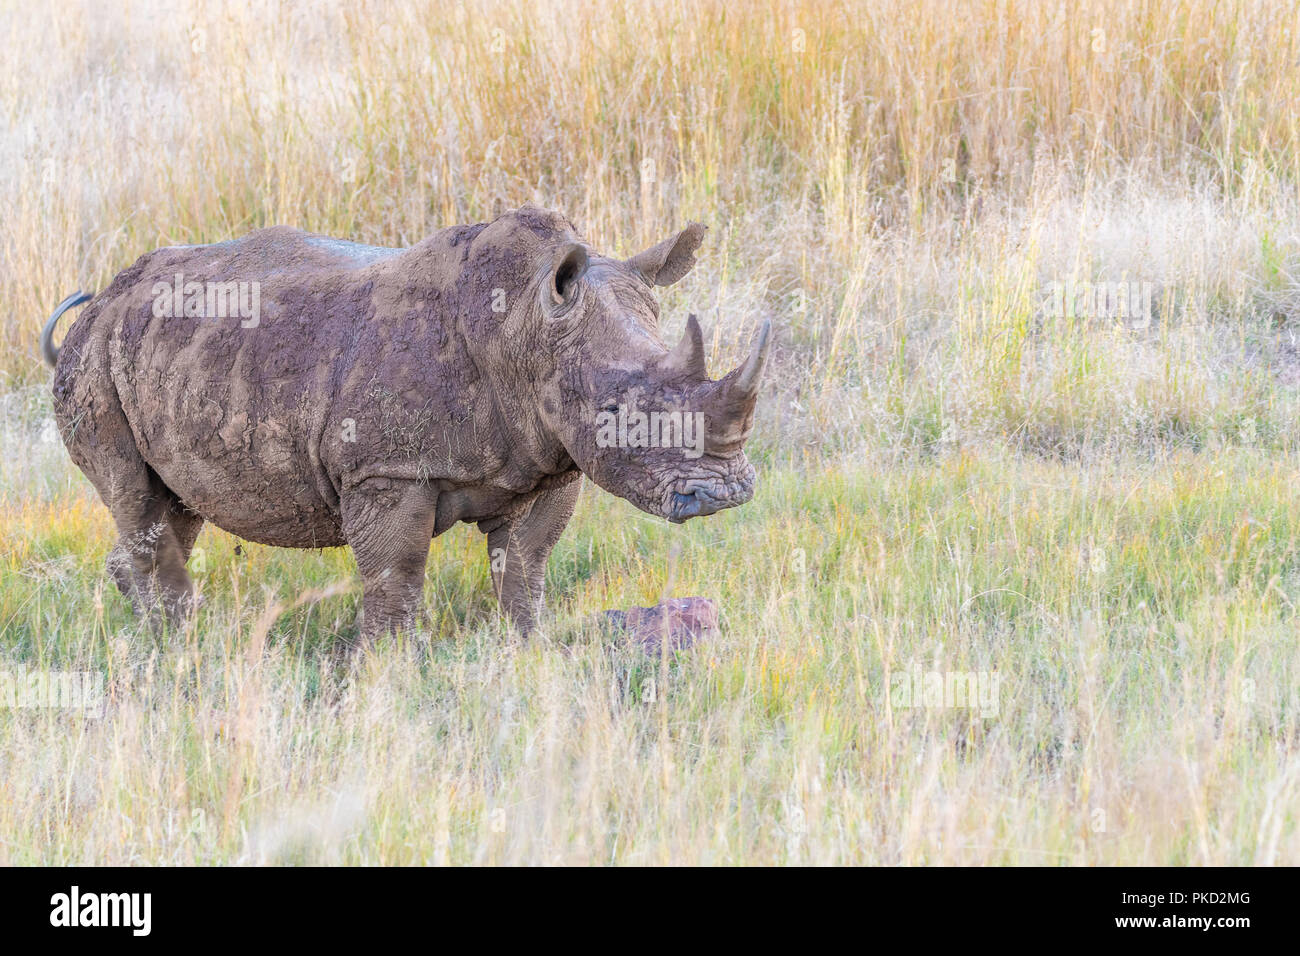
(308, 392)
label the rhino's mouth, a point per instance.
(696, 497)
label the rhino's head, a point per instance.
(644, 421)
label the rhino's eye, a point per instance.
(611, 407)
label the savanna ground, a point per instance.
(1101, 515)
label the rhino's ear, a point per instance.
(667, 262)
(569, 266)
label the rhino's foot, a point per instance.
(162, 605)
(370, 626)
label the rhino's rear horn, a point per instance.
(687, 357)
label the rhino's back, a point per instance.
(231, 406)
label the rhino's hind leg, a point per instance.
(389, 524)
(155, 535)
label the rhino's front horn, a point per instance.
(732, 420)
(687, 357)
(744, 388)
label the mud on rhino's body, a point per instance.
(379, 396)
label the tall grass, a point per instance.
(952, 477)
(1140, 620)
(894, 182)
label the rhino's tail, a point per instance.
(48, 351)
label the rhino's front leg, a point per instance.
(518, 549)
(389, 523)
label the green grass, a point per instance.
(1139, 616)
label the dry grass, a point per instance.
(1140, 620)
(1102, 515)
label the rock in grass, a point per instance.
(679, 621)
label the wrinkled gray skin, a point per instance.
(384, 395)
